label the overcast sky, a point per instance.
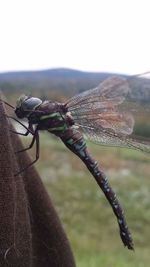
(95, 35)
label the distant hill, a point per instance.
(62, 83)
(59, 73)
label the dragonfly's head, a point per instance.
(25, 105)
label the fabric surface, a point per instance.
(31, 234)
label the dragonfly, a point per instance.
(106, 115)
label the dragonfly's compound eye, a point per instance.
(25, 105)
(31, 103)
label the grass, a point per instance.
(87, 217)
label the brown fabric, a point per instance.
(31, 234)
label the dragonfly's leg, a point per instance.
(24, 134)
(76, 143)
(36, 139)
(29, 129)
(31, 144)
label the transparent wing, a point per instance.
(114, 114)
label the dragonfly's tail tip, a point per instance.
(130, 247)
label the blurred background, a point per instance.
(54, 50)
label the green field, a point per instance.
(86, 216)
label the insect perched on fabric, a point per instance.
(102, 115)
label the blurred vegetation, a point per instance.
(143, 129)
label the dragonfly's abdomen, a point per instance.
(76, 143)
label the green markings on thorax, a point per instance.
(56, 115)
(60, 128)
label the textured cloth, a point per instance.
(31, 234)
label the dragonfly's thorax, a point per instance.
(52, 116)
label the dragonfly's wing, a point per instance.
(106, 137)
(107, 116)
(115, 88)
(100, 105)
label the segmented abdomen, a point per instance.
(76, 143)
